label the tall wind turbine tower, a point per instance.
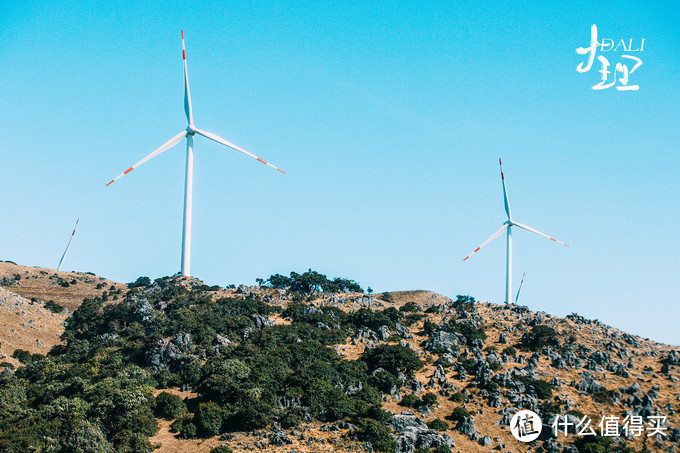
(507, 225)
(189, 133)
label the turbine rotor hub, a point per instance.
(191, 129)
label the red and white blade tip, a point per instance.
(267, 163)
(566, 245)
(476, 250)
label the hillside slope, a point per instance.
(307, 372)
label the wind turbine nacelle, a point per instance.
(191, 129)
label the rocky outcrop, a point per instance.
(414, 434)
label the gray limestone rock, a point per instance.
(262, 321)
(466, 426)
(447, 341)
(384, 332)
(403, 423)
(486, 441)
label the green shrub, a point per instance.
(365, 317)
(438, 424)
(311, 281)
(411, 318)
(85, 437)
(469, 331)
(458, 397)
(459, 414)
(24, 356)
(221, 449)
(291, 417)
(384, 381)
(127, 441)
(393, 358)
(410, 306)
(169, 406)
(604, 396)
(53, 307)
(141, 282)
(496, 366)
(539, 337)
(377, 434)
(187, 430)
(464, 303)
(542, 388)
(410, 400)
(208, 419)
(593, 444)
(430, 399)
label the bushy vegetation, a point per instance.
(170, 406)
(539, 337)
(53, 307)
(392, 358)
(542, 388)
(601, 444)
(438, 424)
(95, 391)
(221, 449)
(377, 433)
(459, 414)
(310, 281)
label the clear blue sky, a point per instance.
(389, 119)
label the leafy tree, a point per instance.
(310, 281)
(542, 388)
(377, 434)
(169, 406)
(393, 358)
(84, 437)
(539, 337)
(53, 307)
(438, 424)
(208, 419)
(459, 414)
(430, 399)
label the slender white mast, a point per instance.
(508, 268)
(188, 195)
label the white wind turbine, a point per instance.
(189, 133)
(508, 226)
(68, 246)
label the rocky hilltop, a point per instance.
(305, 364)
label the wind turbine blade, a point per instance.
(187, 95)
(528, 228)
(68, 246)
(520, 288)
(165, 146)
(505, 192)
(214, 137)
(493, 236)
